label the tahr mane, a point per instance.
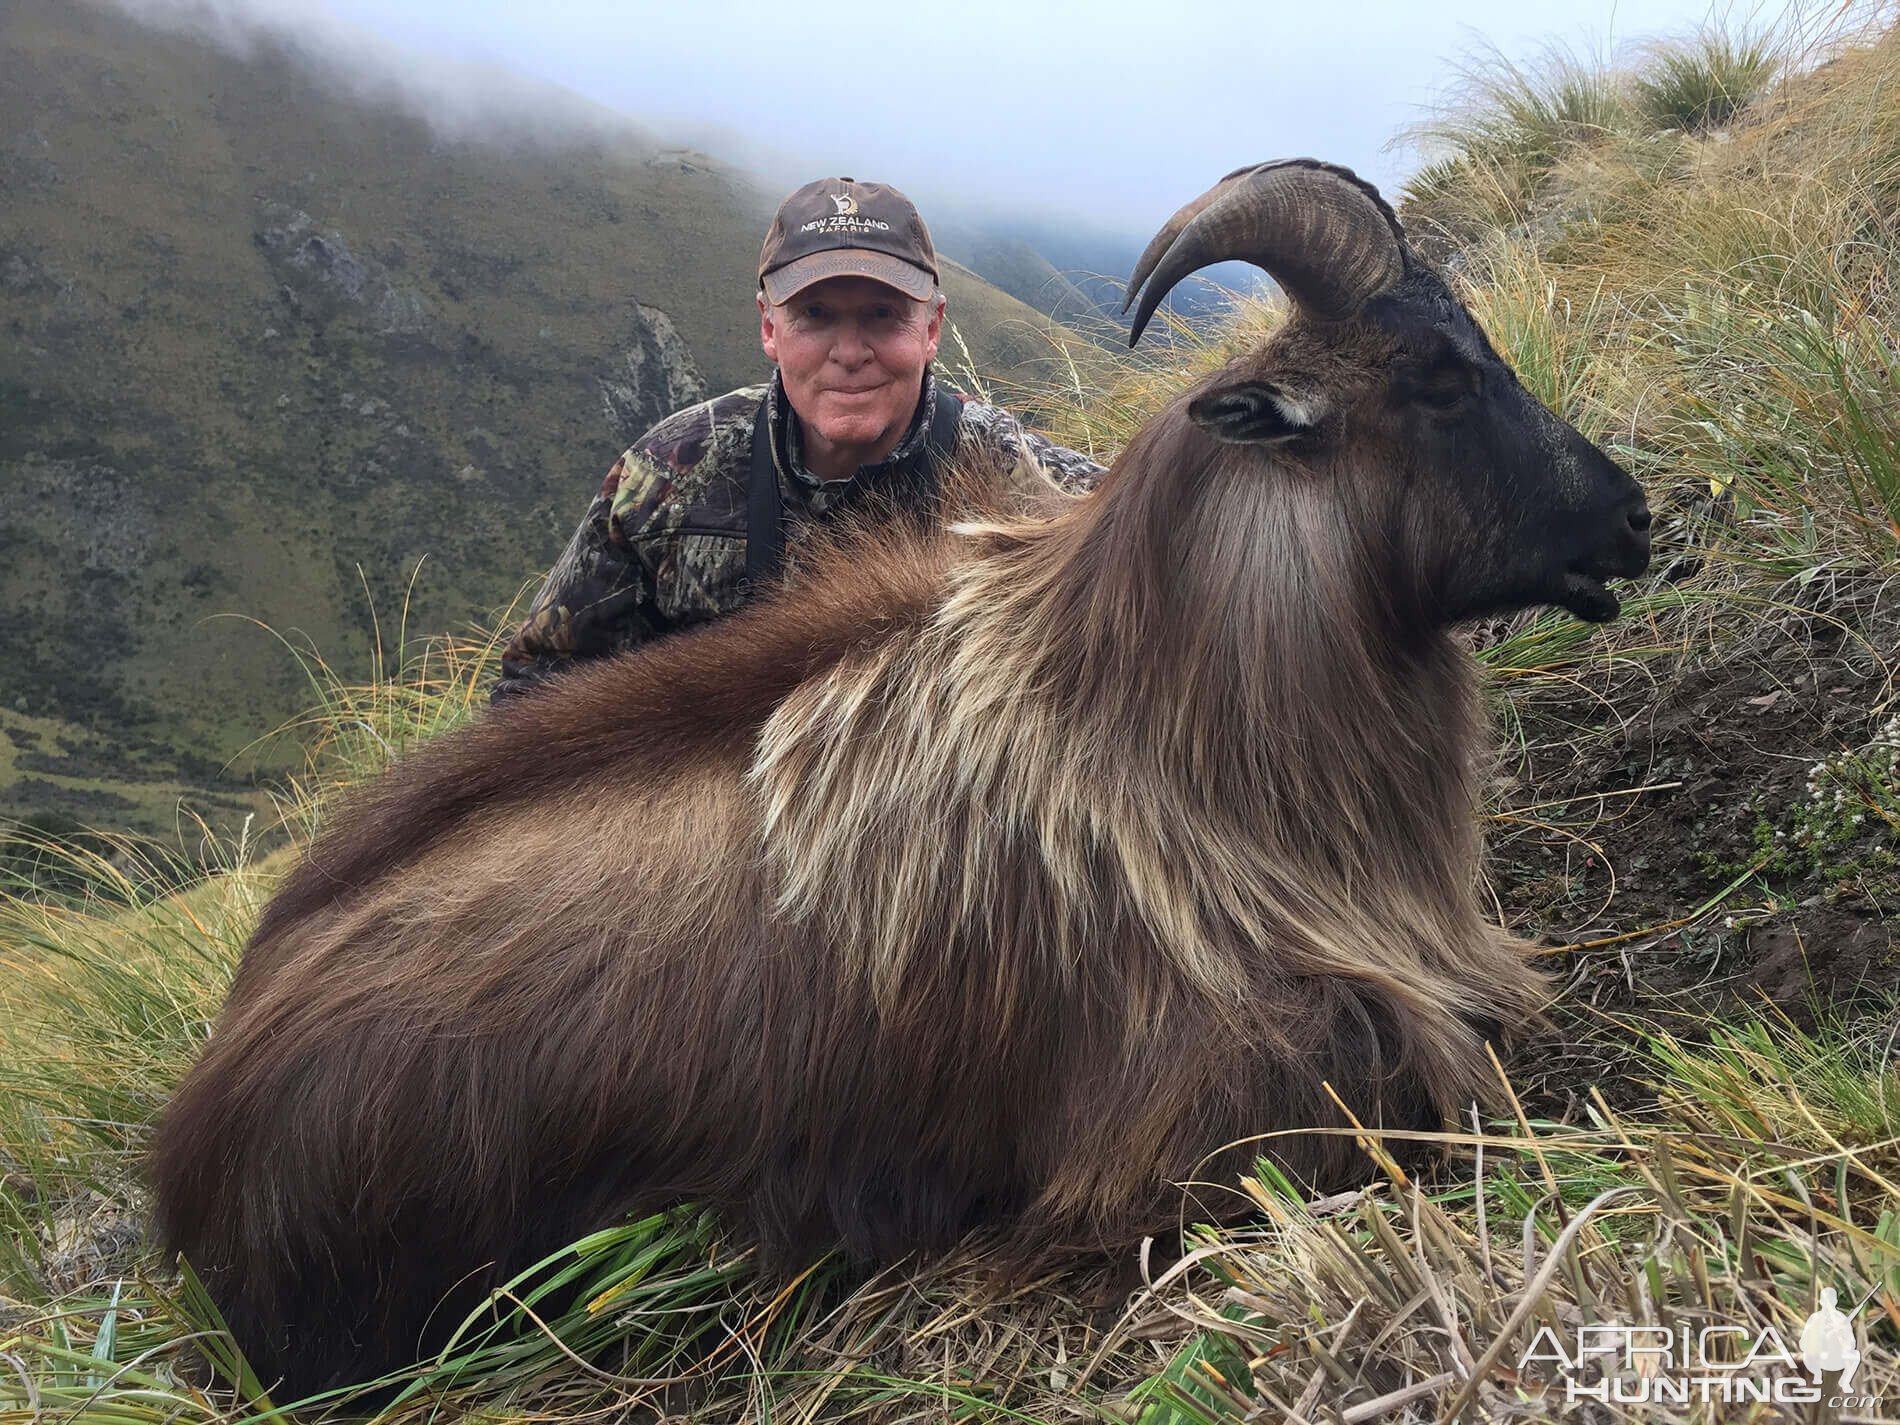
(1200, 742)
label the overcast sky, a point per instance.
(1111, 111)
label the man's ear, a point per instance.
(1253, 412)
(934, 331)
(768, 335)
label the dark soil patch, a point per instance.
(1636, 801)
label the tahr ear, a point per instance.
(1253, 412)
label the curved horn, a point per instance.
(1320, 231)
(1170, 230)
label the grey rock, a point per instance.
(25, 166)
(401, 309)
(327, 258)
(652, 375)
(90, 511)
(17, 274)
(326, 268)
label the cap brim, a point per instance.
(784, 283)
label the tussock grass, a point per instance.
(1526, 116)
(415, 689)
(1705, 82)
(1691, 256)
(1700, 1223)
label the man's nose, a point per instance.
(850, 346)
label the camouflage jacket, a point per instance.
(663, 545)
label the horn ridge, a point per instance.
(1318, 229)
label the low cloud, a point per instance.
(460, 96)
(1107, 119)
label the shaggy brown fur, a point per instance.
(995, 877)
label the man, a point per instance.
(697, 512)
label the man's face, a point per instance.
(852, 354)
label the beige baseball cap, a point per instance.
(839, 227)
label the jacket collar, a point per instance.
(788, 435)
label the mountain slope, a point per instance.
(259, 335)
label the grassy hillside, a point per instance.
(1696, 810)
(261, 336)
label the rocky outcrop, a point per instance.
(93, 513)
(27, 164)
(321, 271)
(651, 375)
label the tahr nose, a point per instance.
(1638, 516)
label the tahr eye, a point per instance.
(1444, 386)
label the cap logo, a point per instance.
(845, 223)
(845, 203)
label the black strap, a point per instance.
(764, 516)
(945, 421)
(765, 512)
